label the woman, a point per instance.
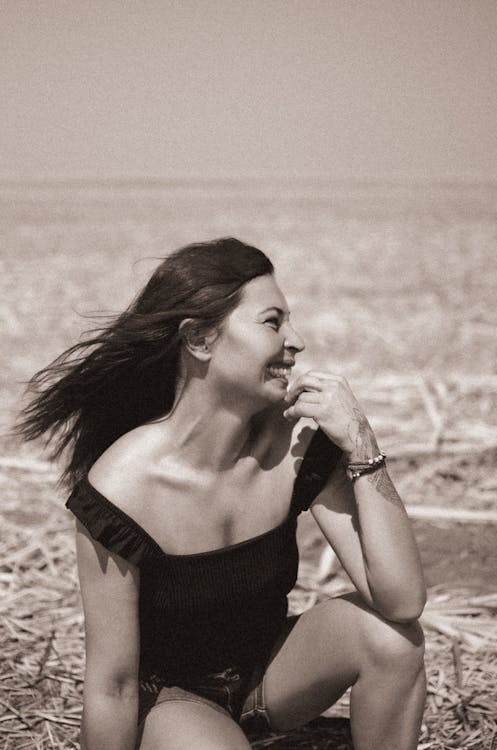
(191, 457)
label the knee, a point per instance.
(396, 646)
(393, 645)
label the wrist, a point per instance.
(355, 456)
(356, 470)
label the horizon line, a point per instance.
(179, 179)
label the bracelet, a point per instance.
(356, 470)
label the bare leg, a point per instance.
(183, 725)
(339, 643)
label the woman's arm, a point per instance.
(369, 530)
(364, 521)
(109, 589)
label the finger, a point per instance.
(303, 383)
(309, 397)
(322, 375)
(307, 379)
(332, 382)
(316, 379)
(300, 409)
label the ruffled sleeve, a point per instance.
(320, 459)
(110, 525)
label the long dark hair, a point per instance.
(124, 374)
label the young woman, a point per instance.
(192, 454)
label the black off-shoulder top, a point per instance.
(202, 613)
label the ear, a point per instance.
(195, 338)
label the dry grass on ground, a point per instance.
(391, 285)
(42, 656)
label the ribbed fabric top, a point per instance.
(201, 613)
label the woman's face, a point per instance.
(256, 347)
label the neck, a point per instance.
(210, 431)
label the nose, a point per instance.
(293, 340)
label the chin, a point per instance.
(277, 390)
(271, 392)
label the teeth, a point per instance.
(279, 372)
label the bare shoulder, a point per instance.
(120, 473)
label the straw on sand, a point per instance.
(41, 624)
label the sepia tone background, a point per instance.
(356, 144)
(179, 88)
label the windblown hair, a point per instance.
(125, 373)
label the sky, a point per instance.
(248, 88)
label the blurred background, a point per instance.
(353, 142)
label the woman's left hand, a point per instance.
(328, 399)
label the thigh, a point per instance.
(182, 725)
(321, 657)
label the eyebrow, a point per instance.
(278, 310)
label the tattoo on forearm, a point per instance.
(384, 485)
(366, 447)
(362, 435)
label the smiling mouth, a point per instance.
(279, 370)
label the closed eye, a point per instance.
(274, 323)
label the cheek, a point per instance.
(244, 356)
(231, 357)
(247, 348)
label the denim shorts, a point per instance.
(237, 696)
(234, 693)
